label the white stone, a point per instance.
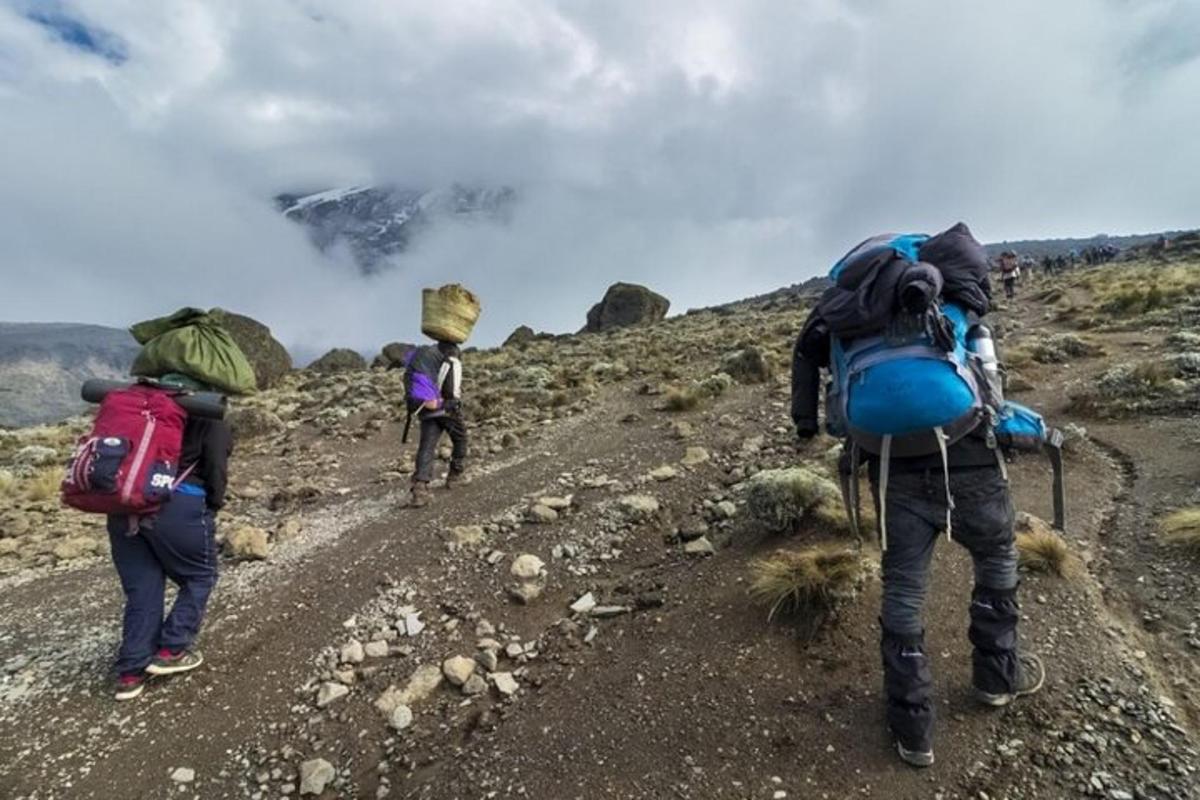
(352, 652)
(639, 505)
(542, 513)
(315, 775)
(183, 775)
(699, 547)
(413, 624)
(458, 669)
(527, 567)
(376, 649)
(664, 473)
(556, 503)
(329, 692)
(505, 683)
(401, 717)
(694, 456)
(584, 604)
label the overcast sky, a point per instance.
(710, 150)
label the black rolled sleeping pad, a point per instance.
(209, 405)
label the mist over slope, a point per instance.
(43, 364)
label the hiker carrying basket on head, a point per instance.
(433, 379)
(915, 389)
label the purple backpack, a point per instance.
(422, 367)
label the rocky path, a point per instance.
(673, 685)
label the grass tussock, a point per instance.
(779, 499)
(1182, 528)
(43, 485)
(1041, 549)
(8, 484)
(692, 396)
(799, 582)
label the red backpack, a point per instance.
(127, 464)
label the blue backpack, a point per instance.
(917, 389)
(902, 392)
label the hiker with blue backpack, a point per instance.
(433, 390)
(915, 391)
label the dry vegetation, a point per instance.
(807, 581)
(1042, 549)
(1182, 528)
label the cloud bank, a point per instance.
(709, 149)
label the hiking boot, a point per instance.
(130, 686)
(168, 662)
(454, 479)
(419, 498)
(1030, 677)
(914, 758)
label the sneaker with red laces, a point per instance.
(130, 686)
(170, 662)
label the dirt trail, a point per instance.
(691, 694)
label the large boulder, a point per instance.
(520, 337)
(625, 305)
(339, 359)
(265, 353)
(393, 355)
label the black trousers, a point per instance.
(981, 521)
(432, 429)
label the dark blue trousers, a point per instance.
(178, 543)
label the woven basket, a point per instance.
(449, 314)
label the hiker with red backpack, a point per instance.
(915, 391)
(433, 393)
(159, 474)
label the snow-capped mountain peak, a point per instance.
(379, 222)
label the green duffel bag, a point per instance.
(193, 343)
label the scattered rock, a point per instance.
(183, 775)
(458, 669)
(400, 718)
(639, 506)
(664, 473)
(528, 567)
(424, 682)
(610, 611)
(726, 509)
(413, 624)
(699, 547)
(557, 503)
(692, 528)
(474, 685)
(315, 775)
(694, 457)
(584, 604)
(505, 683)
(542, 514)
(330, 692)
(376, 649)
(352, 652)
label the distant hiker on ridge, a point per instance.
(433, 378)
(915, 389)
